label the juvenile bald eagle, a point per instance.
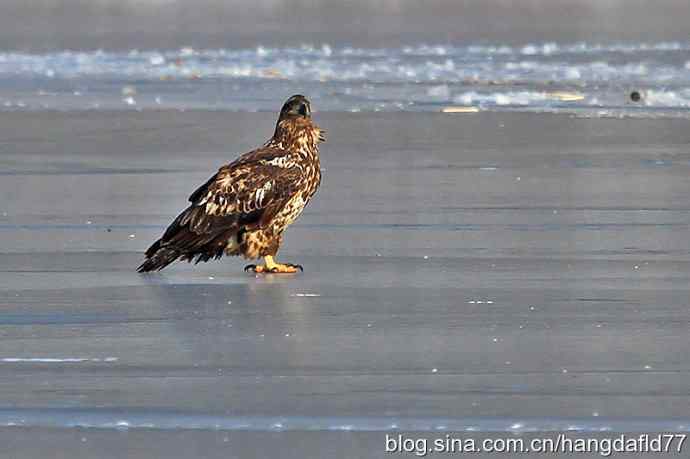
(247, 205)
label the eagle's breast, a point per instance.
(299, 140)
(310, 179)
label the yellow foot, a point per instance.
(278, 268)
(271, 267)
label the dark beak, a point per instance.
(304, 110)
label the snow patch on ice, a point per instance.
(57, 360)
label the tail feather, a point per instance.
(192, 236)
(158, 257)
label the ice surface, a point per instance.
(440, 293)
(438, 289)
(532, 77)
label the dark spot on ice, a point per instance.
(635, 96)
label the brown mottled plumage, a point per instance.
(247, 205)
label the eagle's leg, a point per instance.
(272, 267)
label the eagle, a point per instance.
(245, 208)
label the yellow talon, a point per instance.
(272, 267)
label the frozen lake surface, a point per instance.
(590, 79)
(491, 272)
(594, 58)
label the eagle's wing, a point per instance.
(246, 193)
(249, 190)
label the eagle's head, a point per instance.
(295, 106)
(295, 124)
